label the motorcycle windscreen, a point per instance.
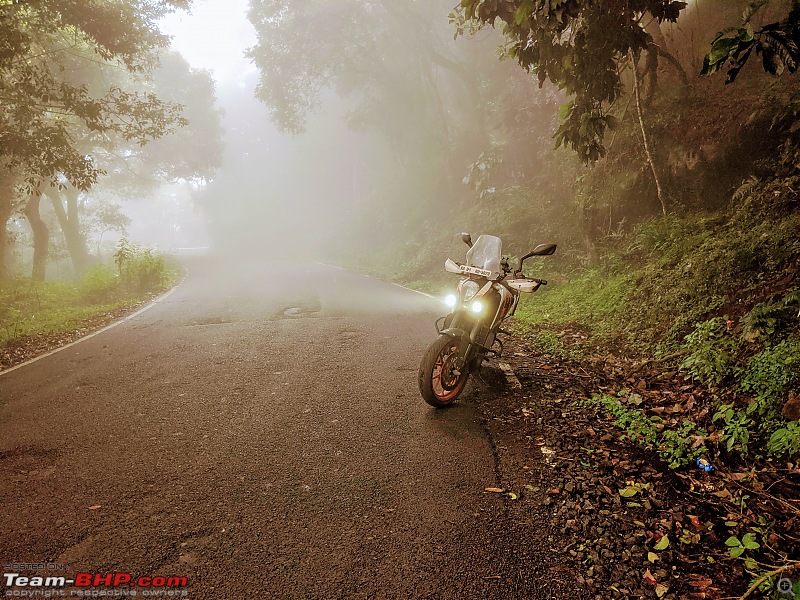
(486, 253)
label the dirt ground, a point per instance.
(628, 526)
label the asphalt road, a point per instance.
(260, 432)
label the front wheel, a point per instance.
(439, 382)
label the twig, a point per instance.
(659, 360)
(766, 576)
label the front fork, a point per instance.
(469, 353)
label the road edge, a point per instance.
(375, 278)
(136, 313)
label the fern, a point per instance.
(746, 188)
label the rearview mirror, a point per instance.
(467, 239)
(540, 250)
(543, 250)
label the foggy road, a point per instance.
(260, 432)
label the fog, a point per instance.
(369, 134)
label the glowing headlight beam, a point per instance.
(476, 306)
(450, 300)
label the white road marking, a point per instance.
(376, 279)
(91, 335)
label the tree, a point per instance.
(50, 54)
(392, 60)
(104, 216)
(42, 99)
(190, 154)
(778, 44)
(582, 46)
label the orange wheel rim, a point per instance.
(446, 384)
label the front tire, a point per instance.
(438, 383)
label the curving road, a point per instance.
(260, 432)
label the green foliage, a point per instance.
(596, 298)
(50, 51)
(549, 342)
(579, 46)
(738, 547)
(480, 174)
(705, 264)
(736, 433)
(769, 377)
(140, 269)
(36, 308)
(785, 441)
(29, 308)
(144, 270)
(674, 445)
(124, 251)
(99, 285)
(677, 447)
(712, 348)
(636, 425)
(772, 319)
(777, 43)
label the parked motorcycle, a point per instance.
(487, 294)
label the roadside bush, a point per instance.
(785, 440)
(140, 269)
(100, 285)
(772, 319)
(712, 349)
(769, 377)
(676, 446)
(144, 271)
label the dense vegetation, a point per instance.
(96, 112)
(91, 99)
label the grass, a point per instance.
(593, 299)
(30, 309)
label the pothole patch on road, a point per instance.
(294, 312)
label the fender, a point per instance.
(453, 332)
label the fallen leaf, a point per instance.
(629, 491)
(652, 557)
(662, 544)
(661, 590)
(648, 578)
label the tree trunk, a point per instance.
(6, 208)
(70, 225)
(644, 134)
(41, 235)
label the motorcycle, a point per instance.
(486, 295)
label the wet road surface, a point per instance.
(260, 432)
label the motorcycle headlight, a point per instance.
(468, 290)
(450, 300)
